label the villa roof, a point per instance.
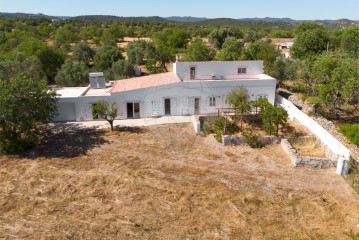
(144, 82)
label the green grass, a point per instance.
(351, 132)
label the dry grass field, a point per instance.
(164, 182)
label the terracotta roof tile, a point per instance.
(144, 82)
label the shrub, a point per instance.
(216, 126)
(351, 132)
(298, 86)
(252, 139)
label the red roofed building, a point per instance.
(192, 88)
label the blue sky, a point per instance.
(295, 9)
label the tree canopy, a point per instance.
(120, 70)
(72, 74)
(105, 56)
(336, 79)
(232, 50)
(81, 52)
(136, 52)
(197, 50)
(25, 105)
(311, 39)
(217, 37)
(239, 99)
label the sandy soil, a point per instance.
(164, 182)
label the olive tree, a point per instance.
(106, 111)
(273, 117)
(239, 98)
(83, 53)
(72, 74)
(336, 79)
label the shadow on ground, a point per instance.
(129, 129)
(63, 140)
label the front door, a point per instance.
(129, 110)
(133, 110)
(196, 106)
(167, 106)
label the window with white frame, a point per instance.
(242, 70)
(212, 101)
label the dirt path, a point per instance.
(164, 182)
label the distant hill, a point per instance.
(185, 19)
(104, 18)
(255, 22)
(243, 22)
(29, 15)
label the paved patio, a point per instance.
(137, 122)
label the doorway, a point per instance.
(167, 106)
(196, 106)
(133, 110)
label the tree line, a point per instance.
(37, 53)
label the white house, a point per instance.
(192, 88)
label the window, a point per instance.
(242, 70)
(212, 101)
(192, 73)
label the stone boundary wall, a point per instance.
(310, 162)
(329, 154)
(323, 135)
(296, 159)
(325, 123)
(236, 140)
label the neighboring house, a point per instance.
(284, 48)
(192, 88)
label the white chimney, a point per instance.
(97, 80)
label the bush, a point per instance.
(298, 86)
(351, 132)
(216, 126)
(252, 139)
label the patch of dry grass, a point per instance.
(310, 148)
(164, 182)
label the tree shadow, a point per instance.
(64, 140)
(129, 129)
(284, 94)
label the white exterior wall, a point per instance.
(82, 108)
(182, 96)
(205, 70)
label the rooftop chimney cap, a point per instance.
(96, 74)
